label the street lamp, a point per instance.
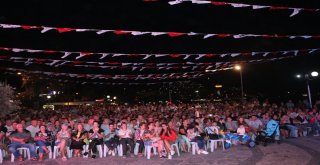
(238, 67)
(308, 77)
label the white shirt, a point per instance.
(33, 130)
(125, 133)
(241, 131)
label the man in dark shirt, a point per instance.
(20, 138)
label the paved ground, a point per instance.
(298, 151)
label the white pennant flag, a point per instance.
(17, 50)
(126, 64)
(236, 36)
(235, 54)
(185, 67)
(134, 68)
(201, 2)
(296, 52)
(295, 11)
(160, 55)
(117, 55)
(45, 29)
(254, 53)
(265, 54)
(157, 33)
(186, 56)
(259, 7)
(159, 68)
(9, 26)
(208, 35)
(103, 31)
(222, 55)
(209, 67)
(103, 55)
(312, 50)
(193, 68)
(238, 5)
(54, 62)
(66, 54)
(175, 2)
(83, 30)
(200, 56)
(306, 37)
(147, 56)
(34, 51)
(192, 34)
(285, 52)
(135, 33)
(292, 37)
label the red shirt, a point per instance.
(171, 137)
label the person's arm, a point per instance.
(19, 140)
(121, 133)
(100, 135)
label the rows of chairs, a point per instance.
(103, 150)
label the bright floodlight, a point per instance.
(237, 67)
(48, 97)
(298, 75)
(314, 74)
(114, 98)
(19, 73)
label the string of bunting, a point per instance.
(106, 83)
(188, 75)
(146, 56)
(135, 66)
(45, 29)
(295, 10)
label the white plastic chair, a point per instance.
(1, 156)
(50, 151)
(24, 151)
(214, 143)
(147, 151)
(56, 151)
(120, 151)
(175, 145)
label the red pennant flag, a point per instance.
(7, 49)
(268, 35)
(4, 57)
(219, 3)
(28, 27)
(175, 55)
(40, 60)
(85, 53)
(133, 55)
(223, 35)
(77, 62)
(210, 55)
(278, 8)
(49, 51)
(119, 32)
(311, 10)
(316, 36)
(63, 30)
(114, 63)
(175, 34)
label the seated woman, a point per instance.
(212, 130)
(151, 137)
(183, 140)
(231, 126)
(193, 134)
(168, 137)
(139, 137)
(63, 140)
(42, 140)
(95, 138)
(77, 140)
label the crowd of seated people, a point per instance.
(156, 125)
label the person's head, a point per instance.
(19, 128)
(157, 124)
(229, 119)
(106, 121)
(8, 122)
(241, 126)
(254, 117)
(275, 117)
(164, 126)
(142, 125)
(43, 128)
(241, 119)
(57, 123)
(64, 127)
(14, 125)
(151, 126)
(111, 126)
(185, 122)
(124, 126)
(95, 124)
(90, 121)
(79, 127)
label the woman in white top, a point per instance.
(63, 140)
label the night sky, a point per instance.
(272, 79)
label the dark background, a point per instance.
(271, 79)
